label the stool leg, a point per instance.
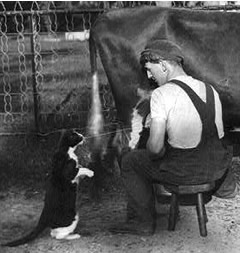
(173, 213)
(201, 216)
(205, 214)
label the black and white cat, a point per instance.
(59, 212)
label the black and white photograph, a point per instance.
(119, 126)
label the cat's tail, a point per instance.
(29, 237)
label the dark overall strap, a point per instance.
(206, 110)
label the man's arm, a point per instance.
(155, 143)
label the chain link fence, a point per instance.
(45, 78)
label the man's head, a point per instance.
(161, 58)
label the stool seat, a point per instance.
(189, 190)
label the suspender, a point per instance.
(206, 110)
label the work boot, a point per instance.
(134, 227)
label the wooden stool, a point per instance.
(196, 190)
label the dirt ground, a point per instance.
(20, 209)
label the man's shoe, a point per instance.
(134, 228)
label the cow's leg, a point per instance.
(99, 173)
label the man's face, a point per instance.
(157, 72)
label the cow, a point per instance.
(210, 43)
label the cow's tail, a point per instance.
(29, 237)
(95, 122)
(95, 125)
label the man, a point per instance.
(189, 113)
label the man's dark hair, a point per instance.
(148, 56)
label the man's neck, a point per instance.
(175, 73)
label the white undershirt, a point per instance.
(171, 104)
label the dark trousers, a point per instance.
(139, 173)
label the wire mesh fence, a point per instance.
(45, 77)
